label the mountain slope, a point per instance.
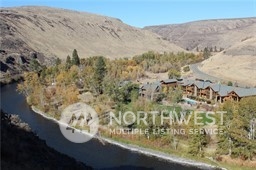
(56, 32)
(221, 33)
(237, 63)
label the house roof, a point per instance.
(151, 86)
(169, 81)
(215, 87)
(202, 84)
(224, 90)
(187, 82)
(244, 92)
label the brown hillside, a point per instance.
(237, 63)
(56, 32)
(222, 33)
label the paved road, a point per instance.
(201, 75)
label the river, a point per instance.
(92, 153)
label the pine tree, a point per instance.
(35, 65)
(215, 49)
(224, 140)
(206, 53)
(99, 74)
(68, 62)
(235, 141)
(211, 50)
(75, 58)
(198, 139)
(57, 61)
(239, 136)
(197, 142)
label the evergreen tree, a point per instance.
(235, 140)
(221, 49)
(99, 74)
(35, 65)
(197, 142)
(239, 137)
(198, 139)
(68, 62)
(75, 58)
(211, 50)
(206, 53)
(57, 61)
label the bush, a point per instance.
(230, 83)
(186, 69)
(160, 97)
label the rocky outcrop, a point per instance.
(22, 149)
(15, 54)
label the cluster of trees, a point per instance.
(206, 53)
(239, 137)
(239, 127)
(125, 69)
(70, 62)
(210, 49)
(54, 87)
(174, 73)
(159, 63)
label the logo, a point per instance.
(79, 123)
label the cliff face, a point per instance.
(22, 149)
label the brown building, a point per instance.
(169, 83)
(198, 88)
(215, 91)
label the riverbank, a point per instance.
(21, 148)
(142, 150)
(11, 79)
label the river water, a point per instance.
(92, 153)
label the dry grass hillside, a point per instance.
(222, 33)
(56, 32)
(237, 63)
(237, 36)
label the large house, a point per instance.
(150, 90)
(215, 91)
(199, 88)
(173, 83)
